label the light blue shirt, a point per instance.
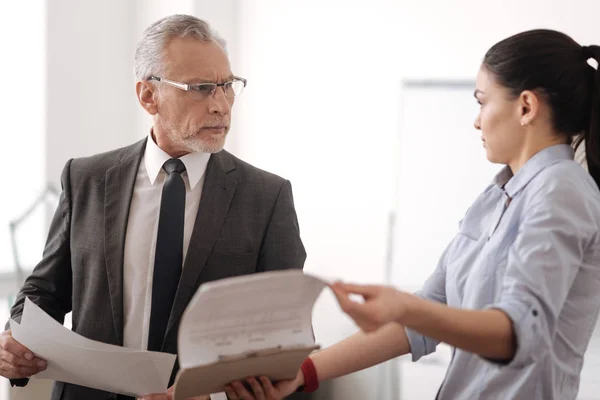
(529, 246)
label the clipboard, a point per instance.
(278, 363)
(254, 325)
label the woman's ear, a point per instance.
(529, 107)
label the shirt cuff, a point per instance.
(531, 342)
(420, 345)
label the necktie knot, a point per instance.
(174, 165)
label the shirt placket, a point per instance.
(499, 213)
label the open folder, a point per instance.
(253, 325)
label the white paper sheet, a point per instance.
(75, 359)
(35, 316)
(248, 313)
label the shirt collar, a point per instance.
(542, 159)
(154, 158)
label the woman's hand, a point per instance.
(382, 304)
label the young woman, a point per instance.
(517, 292)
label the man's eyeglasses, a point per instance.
(231, 89)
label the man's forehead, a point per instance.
(189, 48)
(196, 60)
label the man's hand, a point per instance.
(169, 396)
(16, 360)
(263, 389)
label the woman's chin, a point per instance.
(492, 158)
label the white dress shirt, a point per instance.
(142, 227)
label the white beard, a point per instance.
(189, 139)
(194, 143)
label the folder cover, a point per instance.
(253, 325)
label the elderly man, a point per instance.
(138, 229)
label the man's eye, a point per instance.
(204, 89)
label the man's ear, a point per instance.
(146, 94)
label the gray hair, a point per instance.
(149, 53)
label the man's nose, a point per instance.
(219, 103)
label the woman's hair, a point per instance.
(555, 66)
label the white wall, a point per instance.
(22, 112)
(90, 96)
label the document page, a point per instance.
(75, 359)
(239, 315)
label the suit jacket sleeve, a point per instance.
(49, 285)
(282, 247)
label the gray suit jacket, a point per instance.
(246, 223)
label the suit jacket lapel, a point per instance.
(119, 185)
(216, 198)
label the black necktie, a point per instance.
(169, 252)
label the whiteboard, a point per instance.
(441, 169)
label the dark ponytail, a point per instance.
(556, 66)
(592, 132)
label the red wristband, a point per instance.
(311, 380)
